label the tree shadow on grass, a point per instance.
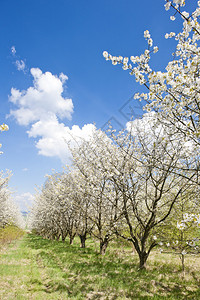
(85, 270)
(56, 286)
(126, 278)
(37, 242)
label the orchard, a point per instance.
(139, 186)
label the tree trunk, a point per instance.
(71, 238)
(64, 237)
(143, 258)
(52, 237)
(104, 245)
(183, 264)
(58, 237)
(83, 239)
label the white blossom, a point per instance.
(167, 5)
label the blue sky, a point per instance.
(68, 37)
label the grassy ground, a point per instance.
(34, 268)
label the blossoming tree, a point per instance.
(9, 212)
(175, 93)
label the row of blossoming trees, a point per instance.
(142, 184)
(135, 185)
(9, 211)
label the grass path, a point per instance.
(21, 275)
(34, 268)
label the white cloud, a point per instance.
(20, 65)
(55, 137)
(24, 200)
(145, 125)
(151, 129)
(42, 106)
(63, 77)
(13, 50)
(42, 100)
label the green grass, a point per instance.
(34, 268)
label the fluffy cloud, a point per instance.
(146, 125)
(55, 137)
(42, 100)
(42, 106)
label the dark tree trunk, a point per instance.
(71, 238)
(103, 245)
(64, 237)
(52, 237)
(83, 239)
(143, 258)
(142, 253)
(58, 237)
